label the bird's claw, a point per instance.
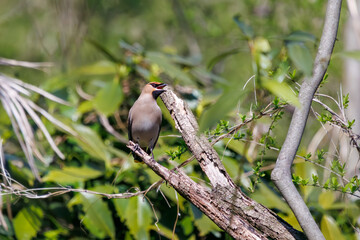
(136, 147)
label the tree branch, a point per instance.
(281, 175)
(224, 204)
(200, 197)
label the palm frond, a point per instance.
(14, 96)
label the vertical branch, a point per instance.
(281, 175)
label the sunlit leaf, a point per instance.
(164, 231)
(109, 98)
(98, 218)
(85, 106)
(282, 90)
(246, 29)
(291, 219)
(326, 199)
(28, 222)
(305, 170)
(69, 175)
(301, 57)
(187, 225)
(330, 229)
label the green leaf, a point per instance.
(326, 199)
(137, 215)
(266, 196)
(205, 225)
(103, 50)
(28, 222)
(90, 142)
(246, 29)
(330, 229)
(227, 101)
(69, 175)
(98, 218)
(168, 67)
(349, 54)
(221, 57)
(109, 98)
(164, 231)
(301, 57)
(282, 90)
(299, 36)
(99, 68)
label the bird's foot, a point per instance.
(136, 147)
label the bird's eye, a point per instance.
(154, 84)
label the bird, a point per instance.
(145, 117)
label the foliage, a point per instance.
(242, 87)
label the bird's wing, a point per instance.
(130, 126)
(157, 136)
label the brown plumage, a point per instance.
(145, 118)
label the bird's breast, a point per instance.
(146, 125)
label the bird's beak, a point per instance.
(161, 86)
(158, 90)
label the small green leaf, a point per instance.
(346, 101)
(301, 57)
(109, 98)
(28, 222)
(246, 29)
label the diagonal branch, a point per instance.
(207, 201)
(187, 125)
(281, 175)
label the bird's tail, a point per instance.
(137, 159)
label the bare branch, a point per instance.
(281, 175)
(16, 63)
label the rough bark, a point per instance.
(281, 174)
(224, 203)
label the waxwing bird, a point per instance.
(145, 118)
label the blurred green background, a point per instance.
(104, 52)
